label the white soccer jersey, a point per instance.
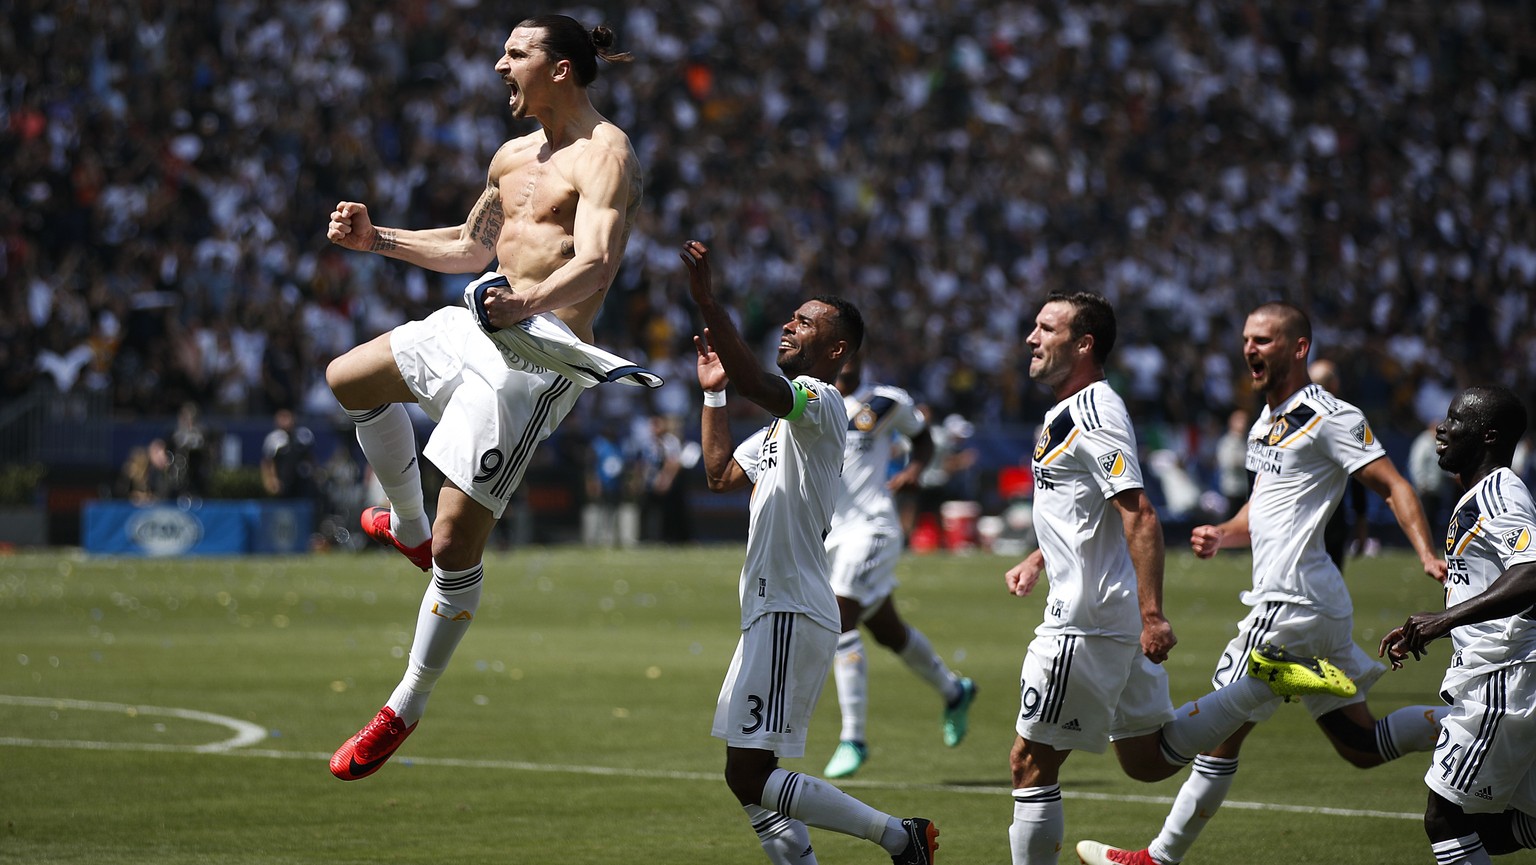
(1303, 455)
(795, 465)
(1086, 455)
(1492, 529)
(876, 415)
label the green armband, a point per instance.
(803, 395)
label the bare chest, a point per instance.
(536, 194)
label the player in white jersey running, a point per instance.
(1092, 674)
(864, 546)
(1482, 779)
(789, 619)
(1303, 449)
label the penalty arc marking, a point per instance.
(244, 733)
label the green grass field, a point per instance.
(574, 724)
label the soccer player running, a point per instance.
(1303, 448)
(1482, 779)
(864, 546)
(553, 220)
(1092, 674)
(789, 618)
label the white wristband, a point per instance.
(714, 398)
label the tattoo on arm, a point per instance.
(486, 221)
(384, 240)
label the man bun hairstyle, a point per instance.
(565, 39)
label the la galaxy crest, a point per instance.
(1043, 443)
(1278, 430)
(864, 421)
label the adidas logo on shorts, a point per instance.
(1072, 725)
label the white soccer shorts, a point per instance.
(863, 565)
(775, 679)
(1301, 630)
(1080, 693)
(1485, 758)
(489, 418)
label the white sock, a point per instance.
(1467, 850)
(850, 670)
(1207, 722)
(1409, 729)
(1038, 825)
(389, 443)
(817, 803)
(1199, 798)
(447, 610)
(919, 655)
(786, 841)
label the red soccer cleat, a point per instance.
(376, 525)
(1097, 853)
(365, 753)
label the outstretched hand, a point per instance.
(701, 283)
(1413, 637)
(711, 372)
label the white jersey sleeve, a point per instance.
(1493, 529)
(1302, 456)
(1086, 454)
(747, 453)
(797, 479)
(876, 416)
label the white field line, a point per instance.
(247, 734)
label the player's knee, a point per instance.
(1356, 744)
(1443, 820)
(746, 780)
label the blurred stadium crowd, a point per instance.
(168, 167)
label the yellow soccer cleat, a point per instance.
(1290, 675)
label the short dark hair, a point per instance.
(565, 39)
(850, 322)
(1295, 322)
(1495, 407)
(1092, 315)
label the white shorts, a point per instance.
(1080, 693)
(489, 418)
(1485, 759)
(863, 565)
(1299, 629)
(781, 664)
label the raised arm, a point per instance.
(771, 391)
(720, 467)
(1144, 537)
(467, 248)
(1383, 479)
